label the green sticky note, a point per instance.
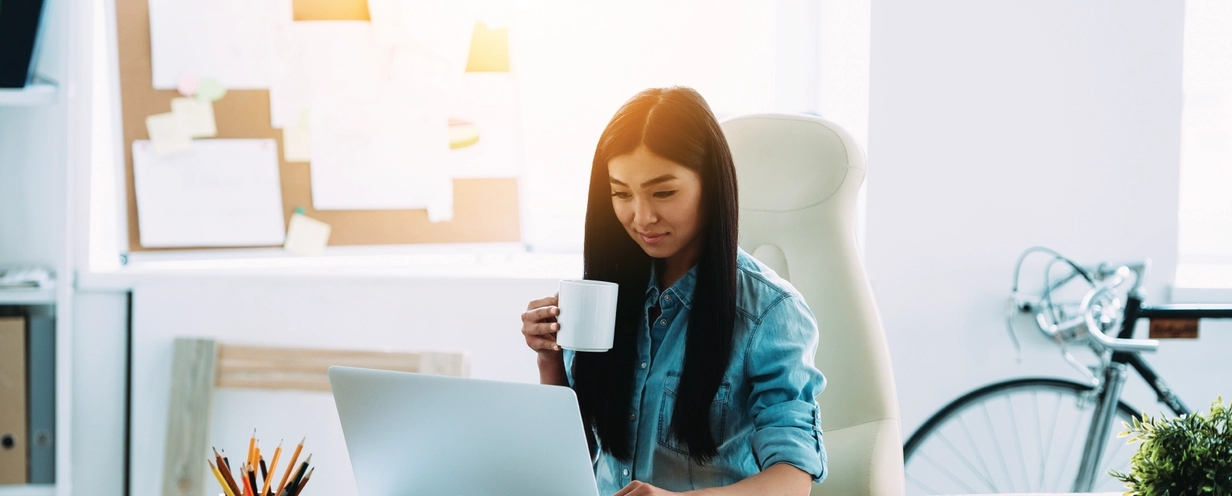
(210, 90)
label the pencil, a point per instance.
(252, 445)
(300, 487)
(247, 489)
(264, 475)
(225, 471)
(299, 476)
(222, 482)
(290, 466)
(273, 468)
(252, 479)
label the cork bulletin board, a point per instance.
(485, 209)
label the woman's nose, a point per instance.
(643, 213)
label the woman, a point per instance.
(710, 383)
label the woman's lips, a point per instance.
(652, 239)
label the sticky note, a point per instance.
(329, 10)
(306, 236)
(297, 140)
(167, 133)
(210, 90)
(489, 49)
(187, 84)
(197, 116)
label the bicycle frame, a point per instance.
(1115, 374)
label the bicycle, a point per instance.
(976, 444)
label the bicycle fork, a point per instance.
(1101, 422)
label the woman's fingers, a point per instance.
(631, 489)
(540, 314)
(542, 302)
(542, 343)
(541, 329)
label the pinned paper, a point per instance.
(297, 140)
(219, 192)
(228, 40)
(196, 115)
(210, 90)
(187, 84)
(306, 236)
(167, 133)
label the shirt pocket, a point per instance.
(718, 413)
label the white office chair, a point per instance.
(798, 179)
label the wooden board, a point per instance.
(306, 369)
(485, 210)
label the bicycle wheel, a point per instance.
(1017, 436)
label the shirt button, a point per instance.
(632, 416)
(667, 297)
(662, 321)
(644, 365)
(625, 472)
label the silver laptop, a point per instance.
(423, 434)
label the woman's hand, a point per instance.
(639, 488)
(539, 327)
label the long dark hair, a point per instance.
(676, 124)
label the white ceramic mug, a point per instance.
(587, 315)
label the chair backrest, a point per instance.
(799, 176)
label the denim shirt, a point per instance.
(765, 410)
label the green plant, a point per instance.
(1183, 456)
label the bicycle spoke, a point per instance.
(1039, 442)
(1052, 434)
(978, 455)
(1026, 479)
(962, 458)
(1073, 436)
(997, 445)
(927, 489)
(946, 472)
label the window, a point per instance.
(1205, 214)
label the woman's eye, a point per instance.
(620, 194)
(665, 194)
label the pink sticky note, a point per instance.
(187, 85)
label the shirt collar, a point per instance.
(682, 288)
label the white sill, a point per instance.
(437, 261)
(1202, 283)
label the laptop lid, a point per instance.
(423, 434)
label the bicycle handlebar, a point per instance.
(1105, 287)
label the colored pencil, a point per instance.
(273, 468)
(222, 482)
(290, 466)
(247, 488)
(299, 476)
(225, 471)
(252, 479)
(252, 446)
(264, 475)
(300, 487)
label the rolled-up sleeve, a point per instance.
(785, 383)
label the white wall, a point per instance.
(995, 126)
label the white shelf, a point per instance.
(32, 95)
(28, 490)
(41, 296)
